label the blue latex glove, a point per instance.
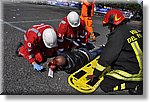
(37, 67)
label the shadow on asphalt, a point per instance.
(96, 34)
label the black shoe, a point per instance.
(138, 90)
(17, 49)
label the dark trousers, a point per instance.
(94, 53)
(110, 84)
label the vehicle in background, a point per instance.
(138, 16)
(128, 15)
(100, 10)
(62, 3)
(75, 4)
(52, 2)
(57, 3)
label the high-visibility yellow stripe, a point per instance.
(115, 88)
(138, 53)
(122, 75)
(100, 67)
(123, 86)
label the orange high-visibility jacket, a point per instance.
(87, 9)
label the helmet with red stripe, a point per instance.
(114, 17)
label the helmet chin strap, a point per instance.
(111, 27)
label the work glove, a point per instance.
(37, 67)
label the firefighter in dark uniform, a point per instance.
(71, 61)
(123, 52)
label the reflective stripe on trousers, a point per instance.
(120, 87)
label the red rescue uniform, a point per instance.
(71, 37)
(34, 49)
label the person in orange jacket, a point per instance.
(87, 12)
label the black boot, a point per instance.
(17, 49)
(138, 90)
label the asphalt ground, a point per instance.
(18, 75)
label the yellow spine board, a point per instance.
(80, 82)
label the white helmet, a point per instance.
(73, 19)
(49, 38)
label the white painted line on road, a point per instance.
(20, 29)
(53, 20)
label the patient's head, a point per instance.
(57, 62)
